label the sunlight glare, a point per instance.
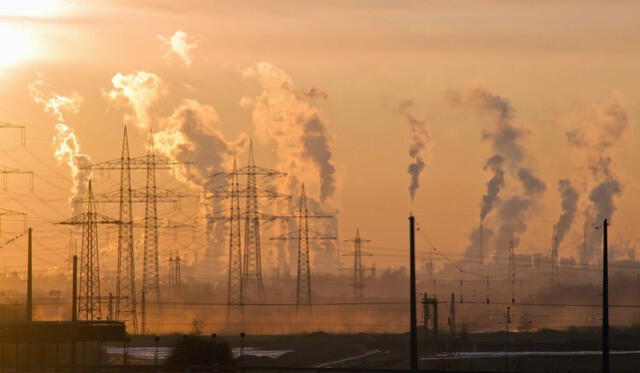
(29, 8)
(15, 45)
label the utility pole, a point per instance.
(30, 277)
(452, 315)
(512, 271)
(605, 297)
(413, 356)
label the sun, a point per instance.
(29, 8)
(15, 45)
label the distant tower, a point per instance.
(358, 267)
(151, 265)
(177, 275)
(303, 289)
(89, 305)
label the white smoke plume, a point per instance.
(420, 144)
(139, 91)
(596, 139)
(508, 166)
(65, 142)
(190, 135)
(285, 116)
(179, 44)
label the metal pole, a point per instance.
(30, 279)
(605, 298)
(412, 295)
(74, 312)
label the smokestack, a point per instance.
(481, 243)
(74, 291)
(605, 298)
(412, 295)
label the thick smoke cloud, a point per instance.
(494, 185)
(596, 139)
(179, 44)
(65, 143)
(419, 145)
(191, 135)
(139, 91)
(286, 116)
(508, 166)
(569, 196)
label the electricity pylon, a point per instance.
(20, 127)
(358, 267)
(175, 277)
(235, 294)
(250, 271)
(5, 171)
(89, 295)
(303, 235)
(8, 170)
(125, 282)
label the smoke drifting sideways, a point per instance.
(596, 140)
(420, 144)
(188, 136)
(286, 116)
(65, 142)
(507, 217)
(179, 44)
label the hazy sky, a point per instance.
(559, 64)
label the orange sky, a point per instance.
(555, 62)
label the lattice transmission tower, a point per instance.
(303, 235)
(251, 284)
(126, 295)
(358, 269)
(89, 305)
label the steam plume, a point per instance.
(179, 44)
(190, 135)
(140, 91)
(286, 116)
(570, 197)
(65, 142)
(596, 138)
(419, 145)
(509, 159)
